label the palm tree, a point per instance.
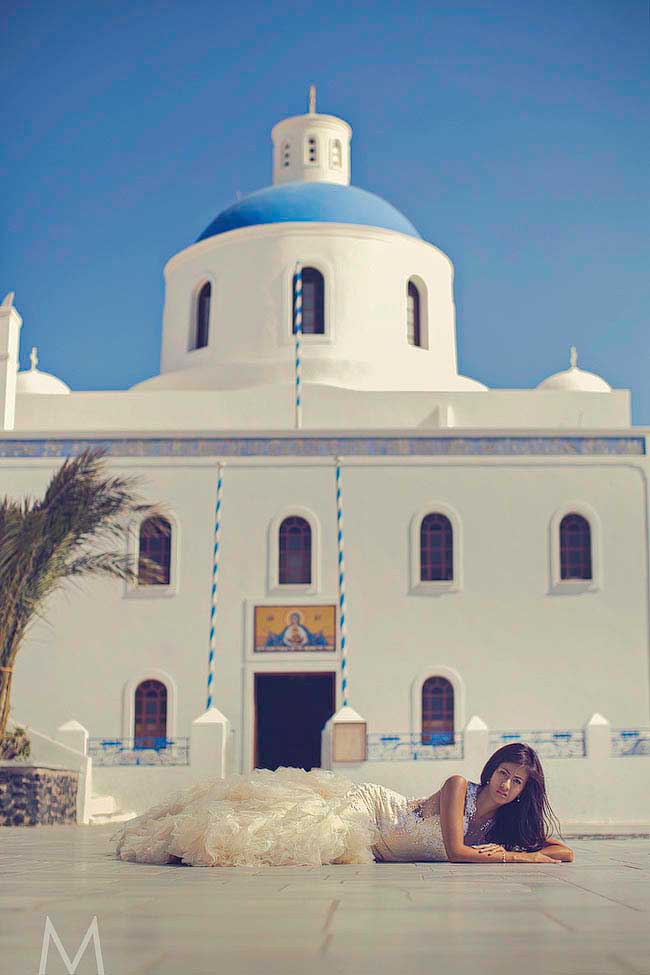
(76, 530)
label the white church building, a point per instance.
(447, 566)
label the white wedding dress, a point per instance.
(286, 817)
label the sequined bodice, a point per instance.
(403, 834)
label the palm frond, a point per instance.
(77, 529)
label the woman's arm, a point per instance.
(558, 851)
(552, 852)
(452, 809)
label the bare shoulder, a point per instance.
(455, 785)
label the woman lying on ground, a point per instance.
(292, 817)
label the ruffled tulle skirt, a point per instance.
(286, 817)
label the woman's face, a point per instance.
(507, 782)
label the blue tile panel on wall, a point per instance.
(316, 446)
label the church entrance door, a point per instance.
(290, 711)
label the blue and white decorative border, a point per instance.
(320, 446)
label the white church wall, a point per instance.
(529, 657)
(366, 273)
(271, 407)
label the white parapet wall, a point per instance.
(136, 787)
(582, 791)
(599, 788)
(49, 753)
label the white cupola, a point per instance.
(311, 148)
(34, 381)
(575, 380)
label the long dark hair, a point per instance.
(529, 821)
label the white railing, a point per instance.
(627, 742)
(139, 751)
(407, 747)
(547, 744)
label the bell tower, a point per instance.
(10, 322)
(311, 148)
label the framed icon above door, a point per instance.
(297, 629)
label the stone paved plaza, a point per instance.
(591, 917)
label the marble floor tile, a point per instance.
(587, 918)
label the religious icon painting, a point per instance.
(298, 629)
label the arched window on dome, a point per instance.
(575, 547)
(437, 711)
(150, 719)
(286, 154)
(202, 316)
(436, 548)
(413, 323)
(311, 148)
(313, 302)
(294, 552)
(154, 552)
(337, 154)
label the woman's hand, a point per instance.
(490, 850)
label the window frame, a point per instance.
(570, 587)
(325, 337)
(311, 137)
(458, 687)
(128, 700)
(307, 267)
(192, 347)
(436, 587)
(423, 297)
(135, 590)
(436, 677)
(307, 561)
(273, 585)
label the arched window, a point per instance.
(313, 302)
(312, 149)
(436, 548)
(286, 154)
(294, 552)
(154, 553)
(150, 725)
(437, 711)
(575, 547)
(202, 316)
(413, 329)
(337, 154)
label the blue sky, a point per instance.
(513, 134)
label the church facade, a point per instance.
(392, 535)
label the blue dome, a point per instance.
(310, 203)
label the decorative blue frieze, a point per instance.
(318, 446)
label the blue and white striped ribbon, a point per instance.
(215, 591)
(342, 621)
(297, 327)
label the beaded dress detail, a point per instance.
(282, 818)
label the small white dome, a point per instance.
(574, 380)
(34, 381)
